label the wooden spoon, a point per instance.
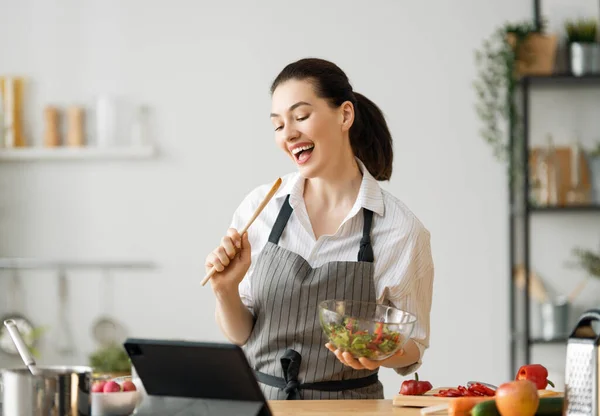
(262, 205)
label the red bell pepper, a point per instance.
(415, 387)
(536, 373)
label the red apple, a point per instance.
(112, 387)
(98, 386)
(128, 386)
(517, 398)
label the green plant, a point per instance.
(594, 151)
(495, 87)
(581, 30)
(589, 261)
(32, 337)
(111, 359)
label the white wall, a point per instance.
(205, 69)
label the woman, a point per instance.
(329, 232)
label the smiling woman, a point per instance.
(331, 232)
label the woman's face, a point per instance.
(312, 133)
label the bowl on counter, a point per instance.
(117, 403)
(363, 329)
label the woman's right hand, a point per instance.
(231, 260)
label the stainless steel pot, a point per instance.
(55, 391)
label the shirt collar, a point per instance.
(369, 195)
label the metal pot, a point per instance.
(585, 58)
(55, 391)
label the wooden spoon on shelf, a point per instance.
(257, 212)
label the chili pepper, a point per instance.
(536, 373)
(415, 387)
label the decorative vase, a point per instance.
(584, 58)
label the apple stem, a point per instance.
(417, 376)
(549, 382)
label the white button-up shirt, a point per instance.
(403, 266)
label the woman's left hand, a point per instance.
(362, 363)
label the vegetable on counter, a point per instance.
(474, 390)
(463, 405)
(536, 373)
(415, 387)
(348, 337)
(548, 406)
(517, 398)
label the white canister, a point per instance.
(106, 121)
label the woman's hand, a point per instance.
(362, 363)
(231, 260)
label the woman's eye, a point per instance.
(278, 128)
(302, 118)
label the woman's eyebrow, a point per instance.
(292, 107)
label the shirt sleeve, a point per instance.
(413, 291)
(238, 221)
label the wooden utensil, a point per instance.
(262, 205)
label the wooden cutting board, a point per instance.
(424, 400)
(428, 399)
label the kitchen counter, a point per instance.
(339, 408)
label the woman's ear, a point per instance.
(347, 115)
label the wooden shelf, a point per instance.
(76, 153)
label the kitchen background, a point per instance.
(197, 74)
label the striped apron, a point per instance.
(286, 348)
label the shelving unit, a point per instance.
(45, 264)
(521, 211)
(76, 153)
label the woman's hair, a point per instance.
(370, 137)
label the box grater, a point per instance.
(582, 367)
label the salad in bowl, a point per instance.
(363, 329)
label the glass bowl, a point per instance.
(365, 329)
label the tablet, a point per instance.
(198, 370)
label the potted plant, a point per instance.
(534, 49)
(589, 261)
(584, 50)
(110, 361)
(593, 160)
(513, 50)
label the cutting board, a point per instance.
(428, 399)
(424, 400)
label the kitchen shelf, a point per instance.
(76, 153)
(565, 209)
(540, 341)
(41, 264)
(521, 213)
(564, 79)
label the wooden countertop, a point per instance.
(339, 408)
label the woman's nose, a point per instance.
(290, 133)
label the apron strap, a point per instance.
(365, 252)
(290, 363)
(281, 221)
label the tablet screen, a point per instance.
(194, 370)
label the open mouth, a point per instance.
(302, 154)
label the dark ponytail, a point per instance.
(370, 137)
